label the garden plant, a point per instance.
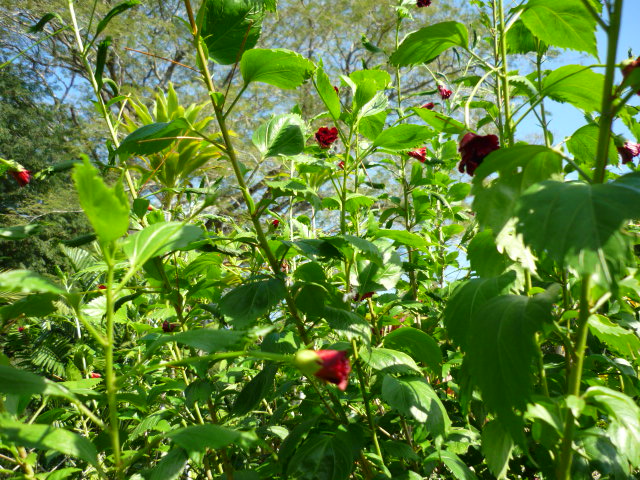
(398, 287)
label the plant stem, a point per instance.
(504, 75)
(365, 400)
(607, 112)
(94, 84)
(233, 159)
(111, 379)
(563, 469)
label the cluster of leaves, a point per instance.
(491, 326)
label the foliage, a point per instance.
(338, 302)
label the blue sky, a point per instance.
(566, 119)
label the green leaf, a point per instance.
(200, 437)
(402, 236)
(389, 361)
(623, 341)
(20, 382)
(158, 239)
(208, 339)
(101, 58)
(230, 27)
(520, 39)
(24, 281)
(426, 44)
(623, 418)
(403, 137)
(503, 351)
(484, 258)
(36, 305)
(107, 208)
(440, 122)
(454, 464)
(278, 67)
(326, 457)
(327, 93)
(496, 447)
(255, 390)
(152, 138)
(244, 304)
(46, 18)
(20, 232)
(578, 224)
(518, 168)
(280, 135)
(578, 85)
(420, 345)
(583, 145)
(414, 397)
(565, 24)
(47, 437)
(467, 299)
(347, 324)
(115, 11)
(380, 78)
(170, 466)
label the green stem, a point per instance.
(365, 400)
(607, 112)
(94, 84)
(504, 75)
(563, 469)
(111, 380)
(233, 159)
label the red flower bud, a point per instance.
(326, 136)
(21, 329)
(444, 93)
(364, 296)
(419, 154)
(102, 287)
(150, 208)
(423, 3)
(330, 365)
(22, 176)
(628, 151)
(168, 327)
(275, 223)
(341, 164)
(336, 89)
(473, 149)
(95, 375)
(630, 66)
(428, 106)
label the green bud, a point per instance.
(308, 361)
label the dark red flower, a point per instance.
(95, 375)
(419, 154)
(168, 327)
(21, 329)
(341, 164)
(423, 3)
(275, 223)
(102, 287)
(335, 367)
(628, 151)
(22, 176)
(326, 136)
(364, 296)
(473, 149)
(330, 365)
(630, 66)
(444, 93)
(428, 106)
